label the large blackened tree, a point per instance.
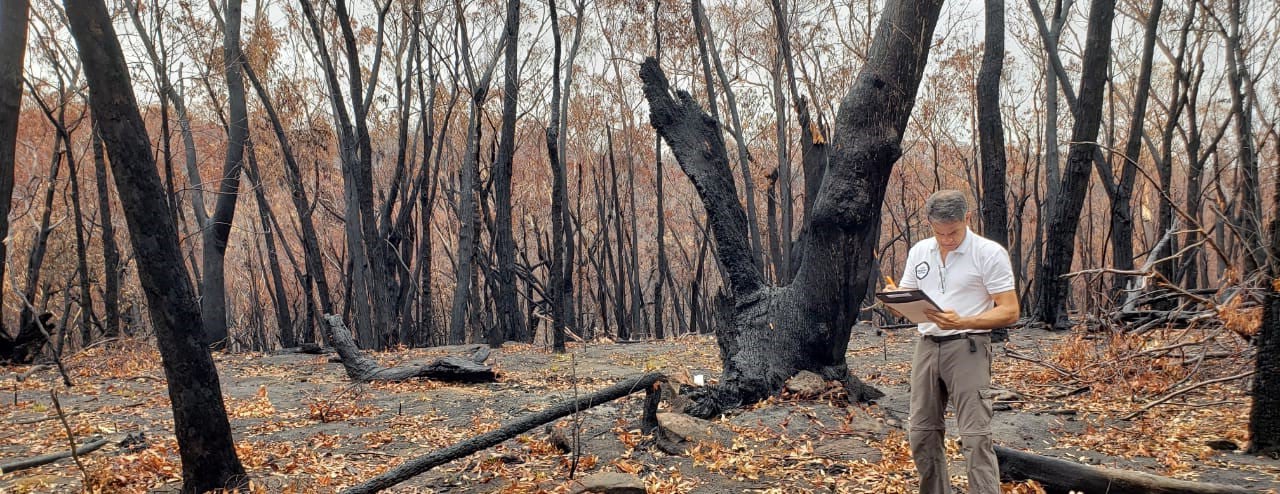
(994, 209)
(1064, 208)
(13, 43)
(1264, 416)
(776, 331)
(208, 454)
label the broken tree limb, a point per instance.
(1062, 476)
(36, 461)
(361, 367)
(1182, 391)
(71, 437)
(421, 464)
(37, 420)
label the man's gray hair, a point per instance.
(946, 206)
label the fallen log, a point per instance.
(1062, 476)
(307, 348)
(361, 367)
(421, 464)
(36, 461)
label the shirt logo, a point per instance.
(922, 270)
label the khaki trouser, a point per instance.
(959, 370)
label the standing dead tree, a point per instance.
(13, 42)
(205, 445)
(1064, 209)
(776, 331)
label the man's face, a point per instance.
(951, 234)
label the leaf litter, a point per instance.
(301, 426)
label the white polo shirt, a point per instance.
(965, 282)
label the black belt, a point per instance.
(939, 339)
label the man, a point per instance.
(971, 279)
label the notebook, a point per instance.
(910, 303)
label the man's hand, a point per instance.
(947, 319)
(889, 286)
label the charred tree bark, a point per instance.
(1121, 209)
(1249, 218)
(284, 322)
(14, 15)
(31, 338)
(1264, 415)
(1064, 209)
(203, 432)
(214, 234)
(1187, 274)
(311, 254)
(1050, 35)
(510, 325)
(813, 142)
(110, 253)
(776, 331)
(661, 240)
(365, 245)
(786, 209)
(361, 367)
(626, 329)
(82, 260)
(468, 212)
(995, 223)
(735, 119)
(638, 319)
(559, 197)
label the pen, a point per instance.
(888, 282)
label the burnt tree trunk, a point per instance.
(1064, 209)
(468, 212)
(365, 244)
(559, 197)
(995, 224)
(626, 328)
(203, 432)
(214, 234)
(1176, 270)
(1062, 477)
(279, 299)
(1121, 209)
(1264, 416)
(82, 252)
(110, 252)
(31, 338)
(811, 317)
(572, 217)
(510, 326)
(661, 239)
(13, 48)
(708, 48)
(814, 151)
(1249, 218)
(362, 368)
(311, 254)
